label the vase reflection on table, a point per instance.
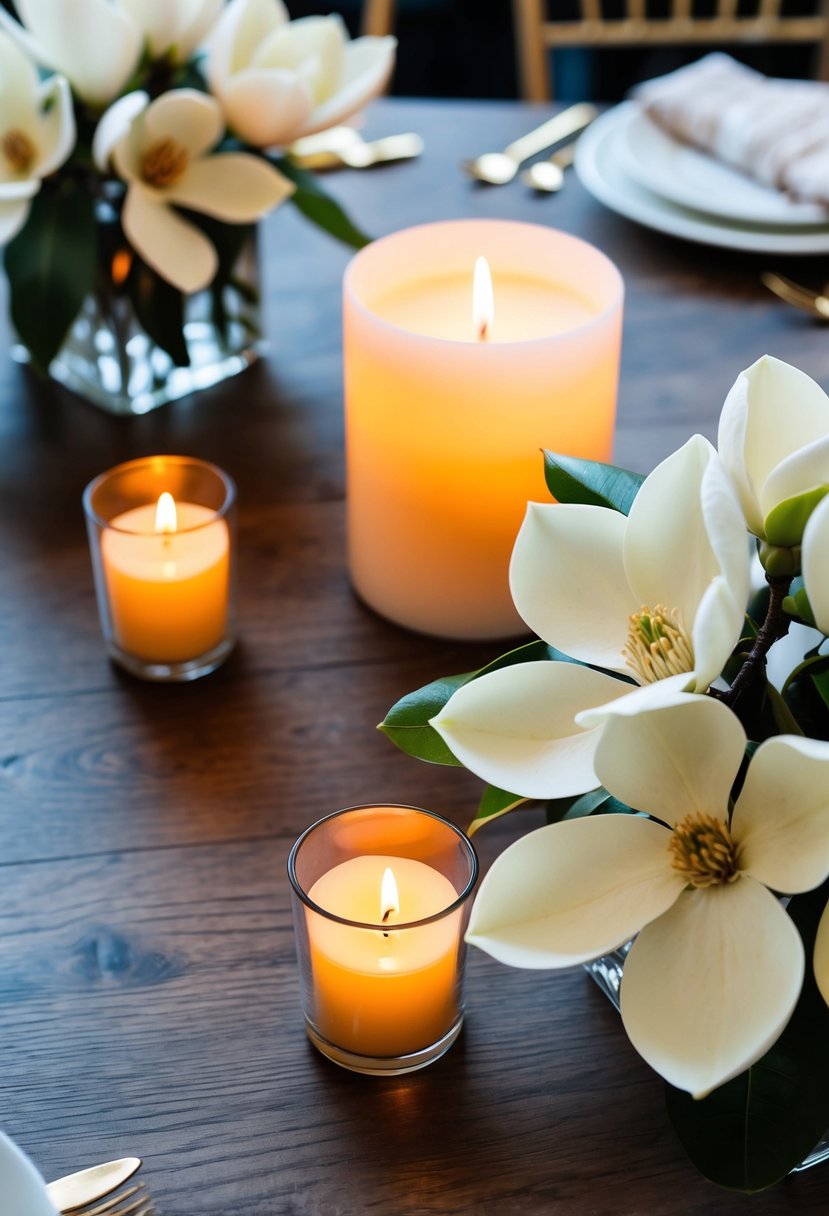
(131, 187)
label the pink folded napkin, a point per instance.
(774, 130)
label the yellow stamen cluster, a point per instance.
(703, 851)
(657, 644)
(18, 150)
(164, 163)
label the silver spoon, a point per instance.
(547, 176)
(498, 168)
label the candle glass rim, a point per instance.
(194, 461)
(377, 245)
(461, 899)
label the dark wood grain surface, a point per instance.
(148, 991)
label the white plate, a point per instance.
(21, 1186)
(600, 164)
(685, 175)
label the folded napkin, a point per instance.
(774, 130)
(22, 1190)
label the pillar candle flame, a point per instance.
(389, 898)
(483, 300)
(165, 514)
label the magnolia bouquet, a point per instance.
(688, 787)
(140, 141)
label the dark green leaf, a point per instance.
(320, 208)
(570, 479)
(784, 719)
(494, 803)
(597, 802)
(50, 266)
(407, 722)
(752, 1131)
(159, 308)
(821, 683)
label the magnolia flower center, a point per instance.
(703, 851)
(18, 150)
(657, 644)
(164, 163)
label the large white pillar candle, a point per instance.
(446, 415)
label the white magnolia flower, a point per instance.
(717, 966)
(774, 442)
(37, 133)
(94, 43)
(821, 957)
(659, 595)
(174, 27)
(279, 80)
(815, 558)
(161, 149)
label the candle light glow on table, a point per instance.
(167, 585)
(445, 420)
(385, 990)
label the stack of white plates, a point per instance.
(635, 168)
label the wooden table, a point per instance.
(148, 988)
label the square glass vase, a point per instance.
(607, 973)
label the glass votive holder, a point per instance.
(381, 902)
(162, 538)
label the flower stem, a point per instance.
(746, 692)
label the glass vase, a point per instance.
(607, 973)
(108, 356)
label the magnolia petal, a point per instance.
(266, 107)
(232, 186)
(573, 891)
(18, 75)
(191, 118)
(673, 760)
(568, 582)
(14, 213)
(114, 124)
(56, 125)
(179, 252)
(157, 19)
(781, 820)
(815, 556)
(821, 957)
(717, 628)
(95, 44)
(670, 691)
(310, 45)
(366, 70)
(242, 28)
(195, 30)
(685, 529)
(698, 1001)
(515, 727)
(752, 441)
(21, 38)
(805, 469)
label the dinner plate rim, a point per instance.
(598, 168)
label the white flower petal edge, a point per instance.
(751, 439)
(177, 27)
(515, 727)
(781, 819)
(177, 250)
(366, 70)
(556, 896)
(114, 124)
(821, 956)
(57, 125)
(267, 107)
(568, 581)
(231, 186)
(94, 43)
(708, 987)
(815, 555)
(671, 759)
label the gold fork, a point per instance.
(81, 1193)
(134, 1201)
(814, 302)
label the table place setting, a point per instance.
(99, 1190)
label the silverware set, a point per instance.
(345, 148)
(499, 168)
(102, 1190)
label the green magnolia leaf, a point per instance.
(797, 605)
(570, 479)
(821, 683)
(318, 207)
(493, 804)
(805, 693)
(751, 1132)
(50, 266)
(784, 719)
(407, 722)
(784, 525)
(159, 308)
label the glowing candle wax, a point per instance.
(446, 412)
(167, 580)
(389, 990)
